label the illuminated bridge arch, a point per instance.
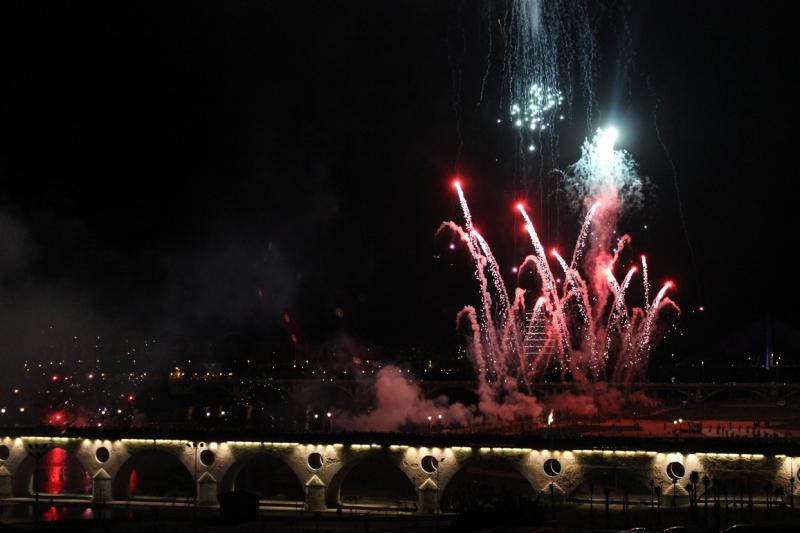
(62, 470)
(374, 479)
(619, 479)
(498, 473)
(153, 472)
(265, 473)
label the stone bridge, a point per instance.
(381, 471)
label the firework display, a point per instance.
(580, 326)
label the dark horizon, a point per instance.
(221, 179)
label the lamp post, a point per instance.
(37, 450)
(195, 445)
(330, 421)
(674, 497)
(659, 493)
(438, 486)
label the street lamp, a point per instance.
(330, 421)
(37, 450)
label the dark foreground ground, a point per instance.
(565, 517)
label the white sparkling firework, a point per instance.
(602, 171)
(549, 54)
(538, 111)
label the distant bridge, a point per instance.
(694, 392)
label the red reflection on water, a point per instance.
(59, 473)
(133, 483)
(52, 514)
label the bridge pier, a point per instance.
(206, 490)
(101, 486)
(675, 494)
(553, 493)
(6, 490)
(315, 494)
(428, 498)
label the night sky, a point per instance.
(198, 174)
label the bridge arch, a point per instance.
(736, 394)
(490, 476)
(268, 474)
(375, 478)
(677, 395)
(61, 471)
(618, 478)
(789, 394)
(153, 472)
(330, 395)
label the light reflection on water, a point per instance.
(60, 472)
(54, 514)
(49, 512)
